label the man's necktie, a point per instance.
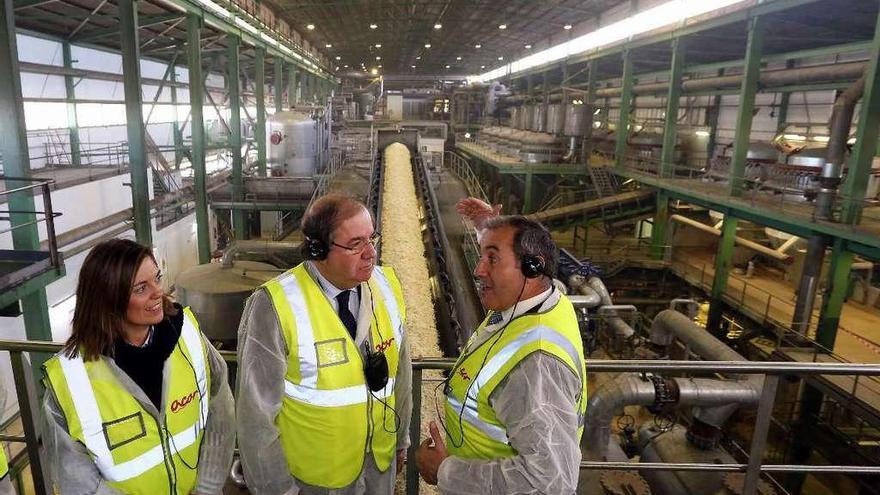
(345, 313)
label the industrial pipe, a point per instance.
(740, 241)
(620, 327)
(255, 247)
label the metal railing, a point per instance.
(772, 371)
(459, 166)
(757, 193)
(48, 215)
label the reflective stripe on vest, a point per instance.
(307, 390)
(494, 365)
(86, 406)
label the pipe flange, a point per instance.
(735, 481)
(665, 392)
(624, 483)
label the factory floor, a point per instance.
(765, 296)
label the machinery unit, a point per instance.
(296, 139)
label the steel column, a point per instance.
(782, 111)
(749, 88)
(233, 80)
(722, 270)
(134, 116)
(835, 294)
(16, 163)
(528, 192)
(291, 86)
(712, 114)
(670, 127)
(591, 101)
(660, 225)
(865, 146)
(625, 106)
(278, 90)
(260, 97)
(197, 125)
(72, 124)
(178, 134)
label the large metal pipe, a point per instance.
(266, 248)
(809, 283)
(740, 241)
(839, 124)
(620, 327)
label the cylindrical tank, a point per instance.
(555, 118)
(293, 144)
(539, 114)
(514, 117)
(525, 117)
(217, 294)
(577, 119)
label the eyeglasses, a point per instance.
(358, 246)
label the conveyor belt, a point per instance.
(593, 205)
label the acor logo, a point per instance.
(182, 402)
(463, 374)
(381, 346)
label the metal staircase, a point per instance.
(604, 180)
(163, 174)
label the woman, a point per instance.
(139, 401)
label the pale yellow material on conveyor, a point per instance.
(403, 249)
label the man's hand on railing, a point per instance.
(429, 457)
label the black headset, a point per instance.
(315, 249)
(532, 266)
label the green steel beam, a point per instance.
(260, 96)
(197, 125)
(670, 127)
(143, 21)
(712, 122)
(528, 193)
(749, 88)
(835, 294)
(16, 163)
(291, 86)
(591, 100)
(660, 225)
(626, 98)
(722, 271)
(278, 90)
(134, 117)
(72, 124)
(175, 126)
(865, 147)
(233, 79)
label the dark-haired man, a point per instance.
(324, 397)
(515, 398)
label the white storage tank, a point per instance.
(292, 139)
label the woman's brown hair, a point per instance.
(102, 295)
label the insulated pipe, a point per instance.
(809, 283)
(788, 244)
(632, 390)
(839, 124)
(768, 79)
(620, 327)
(255, 246)
(572, 144)
(746, 243)
(588, 297)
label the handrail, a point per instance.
(772, 371)
(47, 213)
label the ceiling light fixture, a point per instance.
(419, 57)
(438, 26)
(338, 57)
(374, 71)
(447, 66)
(378, 58)
(457, 58)
(310, 26)
(373, 26)
(566, 27)
(671, 12)
(502, 26)
(482, 66)
(528, 47)
(413, 66)
(478, 46)
(378, 45)
(328, 45)
(500, 58)
(427, 45)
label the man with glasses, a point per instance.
(324, 398)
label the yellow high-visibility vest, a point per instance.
(136, 452)
(4, 465)
(328, 415)
(479, 434)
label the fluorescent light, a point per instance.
(447, 66)
(215, 8)
(247, 27)
(373, 26)
(566, 27)
(419, 57)
(598, 111)
(378, 58)
(478, 46)
(528, 47)
(378, 45)
(310, 26)
(338, 57)
(702, 133)
(427, 45)
(345, 66)
(500, 58)
(457, 58)
(413, 66)
(438, 26)
(502, 26)
(328, 45)
(671, 12)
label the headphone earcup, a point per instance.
(532, 266)
(315, 249)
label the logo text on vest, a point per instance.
(182, 402)
(382, 346)
(463, 374)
